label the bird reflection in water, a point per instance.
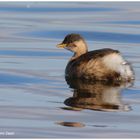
(71, 124)
(97, 95)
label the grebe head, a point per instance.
(74, 43)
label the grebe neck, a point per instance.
(81, 48)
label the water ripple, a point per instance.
(16, 79)
(56, 9)
(94, 35)
(32, 53)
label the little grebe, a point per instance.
(103, 64)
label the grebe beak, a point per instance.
(61, 45)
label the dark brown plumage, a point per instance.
(75, 66)
(104, 64)
(71, 38)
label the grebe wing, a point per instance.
(94, 55)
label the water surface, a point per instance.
(35, 99)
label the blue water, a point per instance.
(56, 9)
(96, 36)
(35, 99)
(31, 53)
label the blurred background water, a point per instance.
(32, 84)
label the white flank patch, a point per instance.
(116, 63)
